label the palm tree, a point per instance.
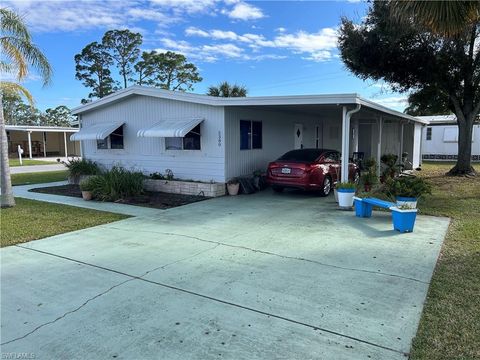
(18, 54)
(224, 89)
(445, 18)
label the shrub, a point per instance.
(157, 176)
(407, 186)
(389, 161)
(117, 183)
(168, 174)
(369, 179)
(88, 183)
(78, 167)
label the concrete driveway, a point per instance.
(264, 276)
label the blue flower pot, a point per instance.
(362, 209)
(403, 220)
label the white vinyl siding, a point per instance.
(277, 136)
(148, 154)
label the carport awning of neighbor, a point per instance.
(170, 128)
(96, 132)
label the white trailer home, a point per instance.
(207, 138)
(440, 138)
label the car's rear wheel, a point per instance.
(278, 189)
(326, 186)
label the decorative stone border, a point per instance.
(185, 187)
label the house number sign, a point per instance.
(219, 138)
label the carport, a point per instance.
(346, 122)
(42, 141)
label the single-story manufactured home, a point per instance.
(440, 139)
(206, 138)
(41, 141)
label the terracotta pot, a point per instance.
(87, 195)
(233, 189)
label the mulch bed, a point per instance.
(158, 200)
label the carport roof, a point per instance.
(325, 99)
(39, 128)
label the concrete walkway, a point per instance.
(264, 276)
(23, 191)
(36, 168)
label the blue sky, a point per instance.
(271, 47)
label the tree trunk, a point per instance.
(464, 158)
(6, 192)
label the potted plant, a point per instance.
(257, 175)
(233, 185)
(403, 218)
(346, 192)
(407, 190)
(389, 161)
(86, 186)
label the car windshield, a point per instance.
(303, 155)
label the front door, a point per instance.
(298, 133)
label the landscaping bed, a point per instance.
(157, 200)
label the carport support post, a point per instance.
(65, 142)
(29, 134)
(401, 141)
(379, 148)
(346, 140)
(44, 144)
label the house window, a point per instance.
(191, 141)
(113, 141)
(250, 134)
(429, 133)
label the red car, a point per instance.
(308, 169)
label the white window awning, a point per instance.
(170, 128)
(96, 132)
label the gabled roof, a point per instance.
(326, 99)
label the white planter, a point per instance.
(345, 198)
(185, 187)
(87, 195)
(233, 189)
(407, 202)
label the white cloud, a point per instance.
(193, 31)
(188, 6)
(69, 15)
(280, 29)
(399, 102)
(244, 11)
(317, 46)
(213, 52)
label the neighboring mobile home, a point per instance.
(207, 138)
(440, 138)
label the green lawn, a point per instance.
(31, 220)
(39, 177)
(450, 323)
(16, 162)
